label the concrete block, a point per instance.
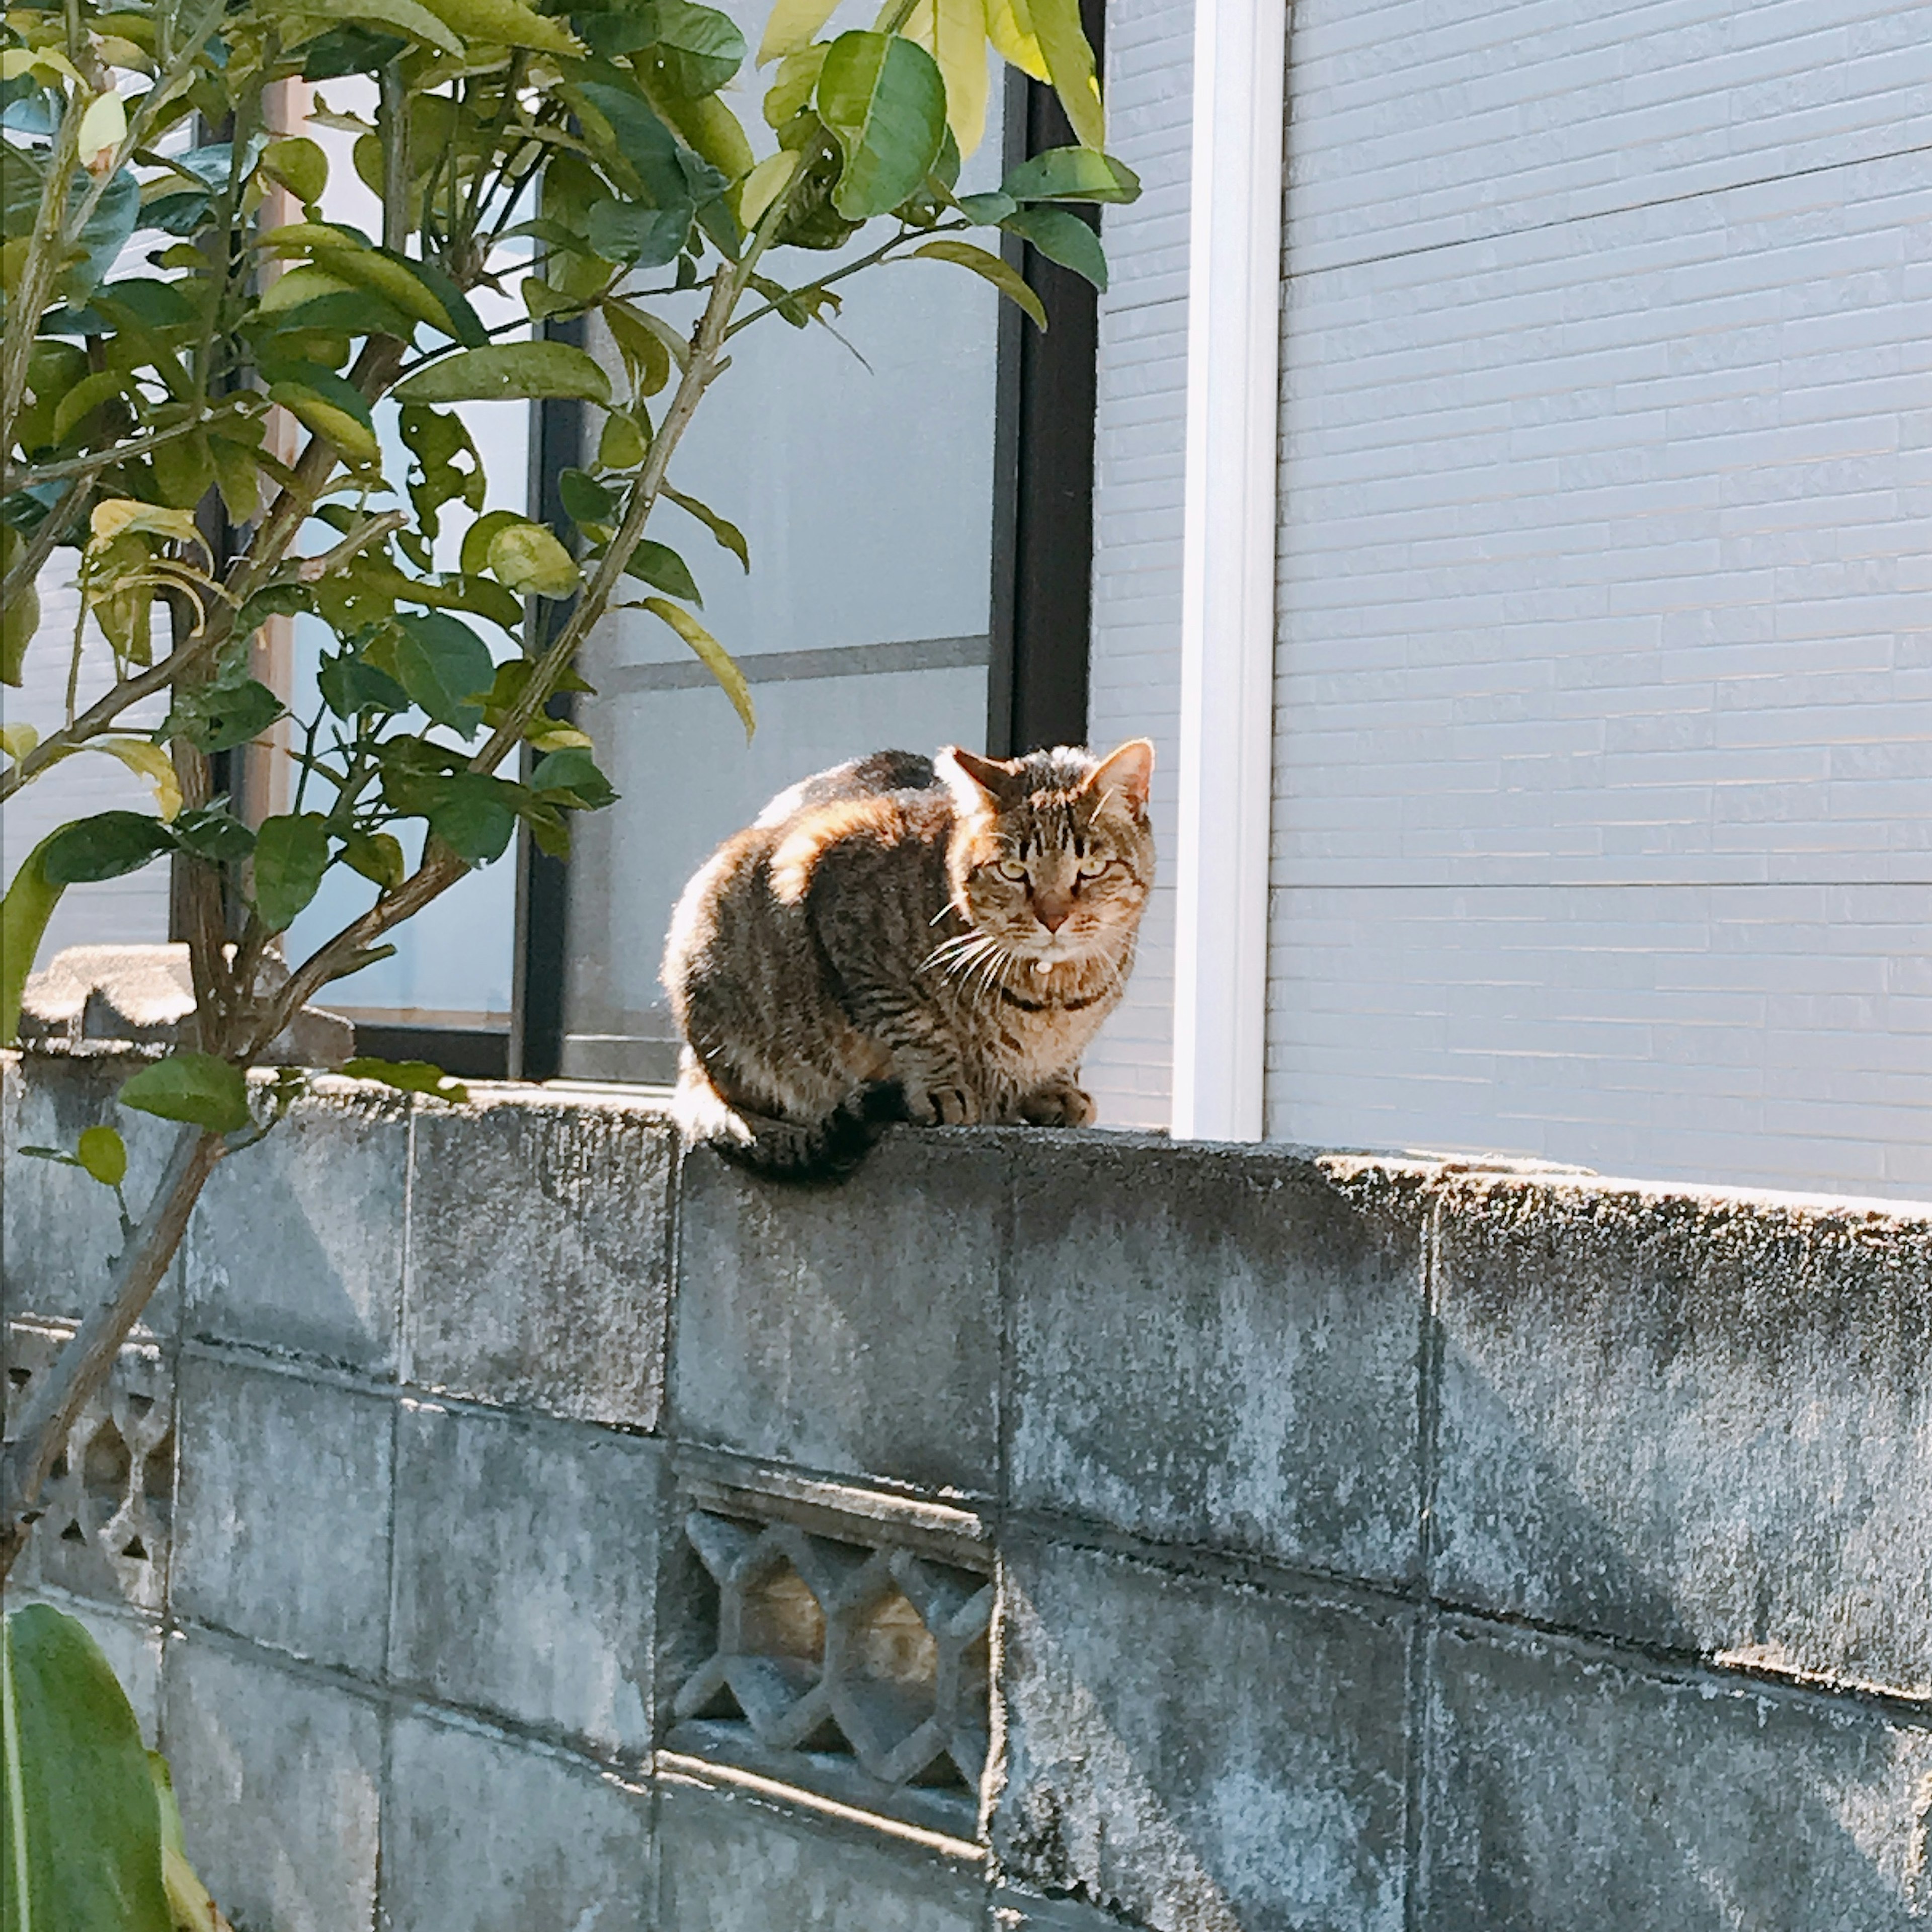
(62, 1229)
(280, 1780)
(282, 1526)
(1693, 1423)
(1220, 1345)
(538, 1262)
(1017, 1911)
(525, 1554)
(1571, 1793)
(1198, 1755)
(297, 1244)
(107, 1504)
(730, 1862)
(854, 1327)
(486, 1835)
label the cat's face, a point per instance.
(1052, 857)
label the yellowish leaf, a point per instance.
(1009, 28)
(1069, 60)
(148, 760)
(792, 25)
(764, 184)
(716, 658)
(17, 740)
(954, 32)
(104, 127)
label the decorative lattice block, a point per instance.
(830, 1647)
(107, 1504)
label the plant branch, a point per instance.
(83, 1365)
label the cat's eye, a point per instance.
(1092, 868)
(1011, 869)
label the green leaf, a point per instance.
(444, 667)
(80, 1827)
(193, 1088)
(409, 1076)
(987, 210)
(478, 538)
(585, 499)
(646, 345)
(351, 685)
(331, 405)
(661, 567)
(232, 710)
(571, 777)
(1063, 237)
(210, 832)
(695, 50)
(528, 559)
(635, 234)
(885, 103)
(435, 438)
(104, 846)
(1071, 174)
(1002, 275)
(299, 164)
(471, 814)
(1069, 60)
(24, 913)
(793, 85)
(506, 371)
(729, 536)
(716, 658)
(498, 23)
(621, 445)
(377, 856)
(103, 1153)
(291, 855)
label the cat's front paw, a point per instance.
(1061, 1105)
(942, 1106)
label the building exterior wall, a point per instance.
(1603, 703)
(1134, 683)
(504, 1519)
(1603, 811)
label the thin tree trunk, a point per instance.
(84, 1364)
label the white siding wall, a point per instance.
(1604, 821)
(1136, 687)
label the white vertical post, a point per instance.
(1228, 572)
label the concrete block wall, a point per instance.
(1371, 1544)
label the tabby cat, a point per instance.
(901, 937)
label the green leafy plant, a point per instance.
(270, 423)
(90, 1834)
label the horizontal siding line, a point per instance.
(1291, 274)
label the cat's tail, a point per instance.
(827, 1149)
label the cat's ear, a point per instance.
(1127, 773)
(978, 784)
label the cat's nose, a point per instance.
(1051, 909)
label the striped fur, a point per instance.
(898, 938)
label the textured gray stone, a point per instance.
(61, 1229)
(729, 1862)
(1573, 1794)
(1691, 1422)
(297, 1244)
(526, 1553)
(538, 1264)
(144, 995)
(282, 1527)
(1220, 1345)
(279, 1779)
(1198, 1755)
(481, 1834)
(852, 1327)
